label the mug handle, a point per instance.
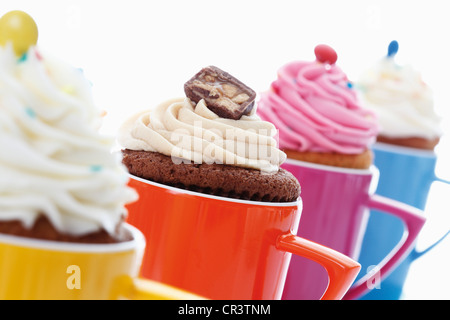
(413, 221)
(436, 178)
(130, 288)
(415, 254)
(342, 270)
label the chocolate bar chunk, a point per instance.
(225, 95)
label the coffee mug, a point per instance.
(223, 248)
(406, 175)
(32, 269)
(336, 203)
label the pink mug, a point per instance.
(336, 203)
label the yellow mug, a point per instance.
(33, 269)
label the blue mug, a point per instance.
(406, 175)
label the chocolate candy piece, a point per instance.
(225, 95)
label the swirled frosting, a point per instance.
(182, 130)
(401, 99)
(316, 110)
(53, 161)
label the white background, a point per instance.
(139, 53)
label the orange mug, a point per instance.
(222, 248)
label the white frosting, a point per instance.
(180, 129)
(53, 161)
(402, 101)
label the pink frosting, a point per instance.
(315, 109)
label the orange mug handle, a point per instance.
(342, 270)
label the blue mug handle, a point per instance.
(415, 254)
(436, 178)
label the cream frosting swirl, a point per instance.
(53, 161)
(187, 132)
(316, 110)
(401, 99)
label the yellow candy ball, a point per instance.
(20, 29)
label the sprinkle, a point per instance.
(38, 55)
(68, 89)
(95, 168)
(30, 112)
(22, 58)
(349, 85)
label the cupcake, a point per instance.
(318, 113)
(403, 103)
(59, 180)
(210, 141)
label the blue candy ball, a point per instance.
(393, 48)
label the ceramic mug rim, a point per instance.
(372, 170)
(137, 242)
(297, 203)
(404, 150)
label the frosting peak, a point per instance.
(315, 109)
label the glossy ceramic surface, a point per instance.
(336, 207)
(37, 270)
(406, 175)
(222, 248)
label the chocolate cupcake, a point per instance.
(59, 180)
(210, 141)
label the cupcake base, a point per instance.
(354, 161)
(44, 230)
(215, 179)
(412, 142)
